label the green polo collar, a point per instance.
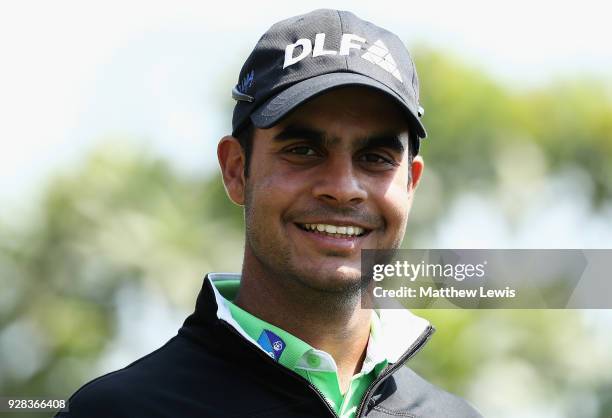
(282, 346)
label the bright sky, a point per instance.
(73, 73)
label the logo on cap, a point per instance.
(246, 83)
(377, 54)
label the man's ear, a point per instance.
(231, 160)
(416, 170)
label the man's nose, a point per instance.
(338, 182)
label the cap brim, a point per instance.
(277, 107)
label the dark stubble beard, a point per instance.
(277, 266)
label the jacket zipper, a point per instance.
(416, 346)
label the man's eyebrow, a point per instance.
(395, 142)
(300, 132)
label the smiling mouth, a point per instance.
(336, 231)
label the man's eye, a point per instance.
(302, 150)
(375, 158)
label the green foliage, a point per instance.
(123, 217)
(470, 118)
(562, 356)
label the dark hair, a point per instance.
(245, 138)
(246, 134)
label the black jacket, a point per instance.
(209, 370)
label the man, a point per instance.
(323, 157)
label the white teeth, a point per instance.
(334, 229)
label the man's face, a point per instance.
(331, 179)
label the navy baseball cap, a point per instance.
(305, 56)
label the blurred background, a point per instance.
(112, 209)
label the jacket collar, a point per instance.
(399, 328)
